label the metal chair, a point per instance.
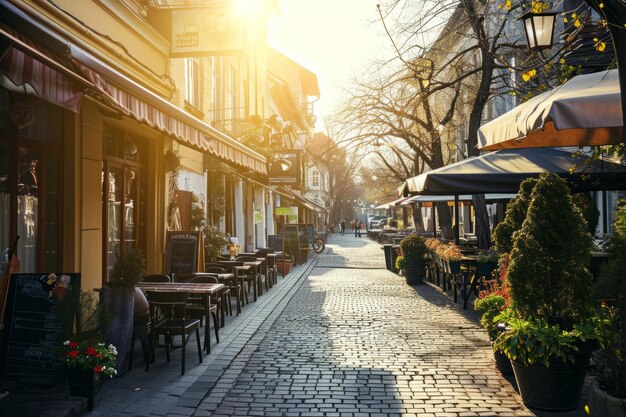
(156, 278)
(175, 324)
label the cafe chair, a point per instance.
(176, 323)
(156, 278)
(197, 303)
(231, 289)
(270, 266)
(253, 258)
(233, 286)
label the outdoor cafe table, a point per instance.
(247, 265)
(205, 289)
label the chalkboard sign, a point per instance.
(292, 242)
(182, 252)
(34, 327)
(275, 242)
(310, 234)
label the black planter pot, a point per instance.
(84, 383)
(387, 250)
(554, 388)
(414, 273)
(119, 304)
(502, 363)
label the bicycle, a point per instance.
(318, 244)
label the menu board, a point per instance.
(292, 243)
(182, 252)
(34, 326)
(275, 242)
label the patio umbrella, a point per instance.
(502, 171)
(584, 111)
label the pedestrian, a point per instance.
(359, 227)
(342, 226)
(356, 227)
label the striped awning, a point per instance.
(150, 109)
(28, 69)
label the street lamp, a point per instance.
(539, 28)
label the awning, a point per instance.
(136, 101)
(502, 171)
(139, 103)
(28, 69)
(449, 198)
(393, 203)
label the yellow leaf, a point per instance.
(595, 39)
(565, 19)
(601, 5)
(529, 75)
(574, 15)
(600, 46)
(508, 5)
(577, 23)
(561, 61)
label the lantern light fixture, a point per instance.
(539, 28)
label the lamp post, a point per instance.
(537, 25)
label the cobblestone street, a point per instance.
(339, 336)
(358, 341)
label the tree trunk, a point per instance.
(483, 233)
(418, 220)
(444, 219)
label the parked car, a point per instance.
(375, 222)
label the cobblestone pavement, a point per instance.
(340, 336)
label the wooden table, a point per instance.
(240, 268)
(205, 289)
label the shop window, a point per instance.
(123, 195)
(30, 178)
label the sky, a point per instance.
(333, 38)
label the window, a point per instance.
(192, 82)
(316, 179)
(30, 181)
(123, 195)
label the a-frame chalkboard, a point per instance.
(184, 252)
(34, 326)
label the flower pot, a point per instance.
(414, 273)
(284, 266)
(502, 363)
(554, 388)
(84, 383)
(455, 267)
(602, 403)
(387, 250)
(119, 304)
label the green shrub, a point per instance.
(413, 248)
(400, 263)
(532, 341)
(515, 215)
(490, 306)
(548, 268)
(214, 241)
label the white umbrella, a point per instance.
(584, 111)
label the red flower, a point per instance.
(73, 353)
(73, 344)
(97, 369)
(90, 351)
(98, 355)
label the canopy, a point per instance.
(448, 198)
(393, 203)
(584, 111)
(502, 171)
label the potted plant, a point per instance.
(452, 256)
(491, 303)
(487, 263)
(412, 258)
(86, 362)
(608, 392)
(214, 241)
(549, 329)
(118, 301)
(85, 357)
